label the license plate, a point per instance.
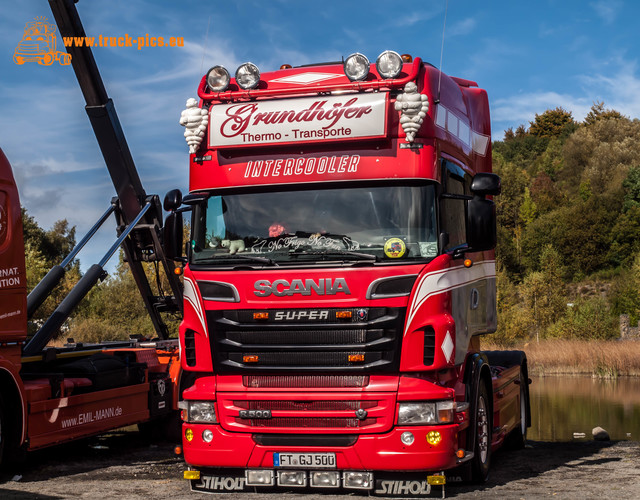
(311, 460)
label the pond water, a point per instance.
(564, 405)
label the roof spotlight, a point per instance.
(356, 67)
(389, 64)
(218, 79)
(248, 76)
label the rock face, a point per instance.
(599, 434)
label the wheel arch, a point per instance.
(477, 371)
(514, 358)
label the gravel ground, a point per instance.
(123, 465)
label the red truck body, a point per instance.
(332, 293)
(70, 392)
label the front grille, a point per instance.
(306, 339)
(305, 405)
(302, 422)
(351, 412)
(307, 381)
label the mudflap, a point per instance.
(386, 484)
(460, 474)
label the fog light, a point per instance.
(218, 78)
(192, 474)
(247, 76)
(325, 479)
(356, 67)
(433, 438)
(207, 436)
(389, 64)
(263, 477)
(436, 480)
(358, 480)
(292, 478)
(407, 438)
(189, 435)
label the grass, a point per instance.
(598, 358)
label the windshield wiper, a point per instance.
(338, 253)
(234, 257)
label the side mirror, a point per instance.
(172, 200)
(173, 231)
(481, 224)
(172, 236)
(484, 184)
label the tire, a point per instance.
(518, 436)
(483, 429)
(3, 431)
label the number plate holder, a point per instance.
(304, 460)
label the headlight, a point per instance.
(356, 67)
(218, 79)
(440, 412)
(201, 411)
(389, 64)
(248, 76)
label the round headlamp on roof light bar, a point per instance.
(248, 76)
(356, 67)
(218, 78)
(389, 64)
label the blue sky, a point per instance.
(530, 56)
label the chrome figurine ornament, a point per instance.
(414, 107)
(194, 119)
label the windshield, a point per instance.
(382, 224)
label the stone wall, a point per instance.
(626, 330)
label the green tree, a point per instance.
(43, 250)
(598, 112)
(543, 292)
(552, 123)
(528, 209)
(631, 186)
(545, 193)
(586, 319)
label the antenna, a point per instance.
(444, 25)
(204, 47)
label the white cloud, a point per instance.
(522, 108)
(417, 17)
(463, 27)
(607, 10)
(620, 90)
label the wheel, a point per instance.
(482, 450)
(46, 60)
(64, 59)
(3, 430)
(17, 59)
(518, 436)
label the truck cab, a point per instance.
(339, 272)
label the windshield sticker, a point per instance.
(286, 167)
(428, 248)
(394, 248)
(316, 241)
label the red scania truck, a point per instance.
(339, 274)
